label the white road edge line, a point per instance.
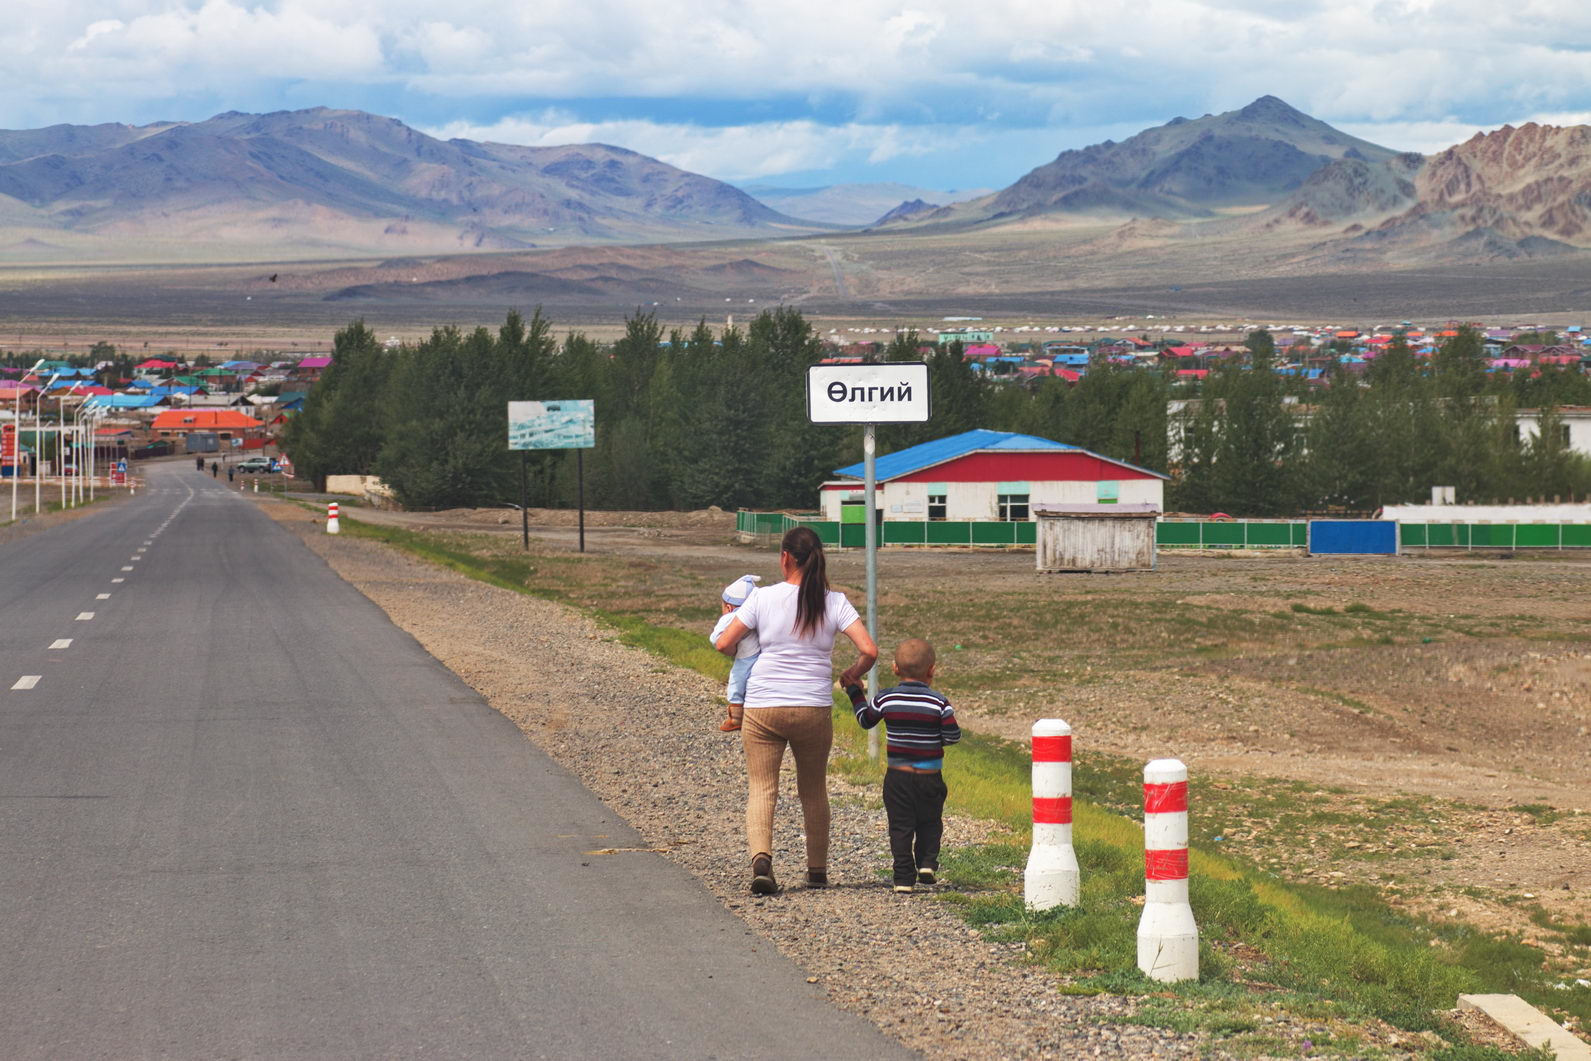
(27, 681)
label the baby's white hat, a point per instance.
(737, 591)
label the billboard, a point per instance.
(570, 424)
(8, 445)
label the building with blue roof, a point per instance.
(125, 401)
(988, 475)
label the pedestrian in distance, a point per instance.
(229, 471)
(790, 700)
(920, 723)
(215, 469)
(198, 463)
(736, 594)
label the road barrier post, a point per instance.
(1051, 878)
(331, 518)
(1168, 938)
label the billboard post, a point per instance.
(570, 424)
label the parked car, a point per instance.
(256, 464)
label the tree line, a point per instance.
(687, 419)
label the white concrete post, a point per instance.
(331, 518)
(1052, 878)
(1168, 938)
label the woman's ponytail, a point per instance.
(806, 549)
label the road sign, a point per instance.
(562, 424)
(890, 392)
(570, 424)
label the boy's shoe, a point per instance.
(926, 876)
(907, 887)
(762, 882)
(817, 878)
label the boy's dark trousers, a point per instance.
(915, 804)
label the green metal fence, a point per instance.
(1174, 533)
(1494, 535)
(892, 532)
(1231, 534)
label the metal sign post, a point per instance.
(890, 392)
(570, 424)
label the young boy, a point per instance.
(919, 723)
(735, 594)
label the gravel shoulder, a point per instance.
(641, 734)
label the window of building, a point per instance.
(1013, 507)
(1563, 435)
(936, 506)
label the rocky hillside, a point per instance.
(1187, 168)
(348, 180)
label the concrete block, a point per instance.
(1528, 1024)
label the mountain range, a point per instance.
(346, 181)
(853, 204)
(1265, 188)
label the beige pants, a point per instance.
(809, 731)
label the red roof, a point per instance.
(205, 419)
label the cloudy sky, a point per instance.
(928, 92)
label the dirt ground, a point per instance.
(1425, 722)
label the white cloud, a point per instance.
(736, 152)
(884, 78)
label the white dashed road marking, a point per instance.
(102, 596)
(127, 568)
(118, 580)
(84, 617)
(60, 643)
(27, 681)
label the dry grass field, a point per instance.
(1074, 273)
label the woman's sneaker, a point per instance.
(762, 882)
(906, 887)
(926, 876)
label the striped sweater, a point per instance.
(919, 721)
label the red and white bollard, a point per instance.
(331, 518)
(1051, 879)
(1168, 938)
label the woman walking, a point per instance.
(789, 697)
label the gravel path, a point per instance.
(641, 734)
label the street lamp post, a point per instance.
(38, 446)
(62, 431)
(16, 420)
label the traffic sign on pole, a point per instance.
(888, 392)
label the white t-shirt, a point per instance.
(792, 671)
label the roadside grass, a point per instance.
(1279, 960)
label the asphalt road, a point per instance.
(243, 815)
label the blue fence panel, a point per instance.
(1353, 537)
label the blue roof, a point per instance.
(124, 401)
(927, 454)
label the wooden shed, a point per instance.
(1098, 538)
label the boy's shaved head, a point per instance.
(914, 658)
